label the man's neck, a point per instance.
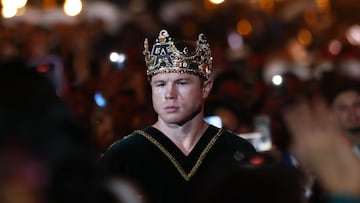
(184, 136)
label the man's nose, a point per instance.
(170, 92)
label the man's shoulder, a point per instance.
(131, 141)
(232, 135)
(237, 141)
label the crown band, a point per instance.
(166, 58)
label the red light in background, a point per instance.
(256, 160)
(42, 69)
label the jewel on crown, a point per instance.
(166, 58)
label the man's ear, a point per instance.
(207, 88)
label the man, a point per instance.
(345, 106)
(180, 153)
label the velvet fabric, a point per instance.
(164, 173)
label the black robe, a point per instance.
(163, 172)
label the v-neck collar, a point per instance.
(188, 165)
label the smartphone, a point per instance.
(261, 137)
(214, 120)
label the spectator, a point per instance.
(320, 148)
(44, 156)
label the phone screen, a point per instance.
(214, 120)
(259, 141)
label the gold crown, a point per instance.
(166, 58)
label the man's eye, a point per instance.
(356, 104)
(98, 120)
(159, 84)
(341, 108)
(182, 83)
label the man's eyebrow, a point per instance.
(157, 81)
(183, 79)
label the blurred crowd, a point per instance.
(101, 100)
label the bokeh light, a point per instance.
(335, 47)
(353, 35)
(72, 7)
(304, 37)
(244, 27)
(216, 1)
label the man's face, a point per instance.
(346, 108)
(178, 97)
